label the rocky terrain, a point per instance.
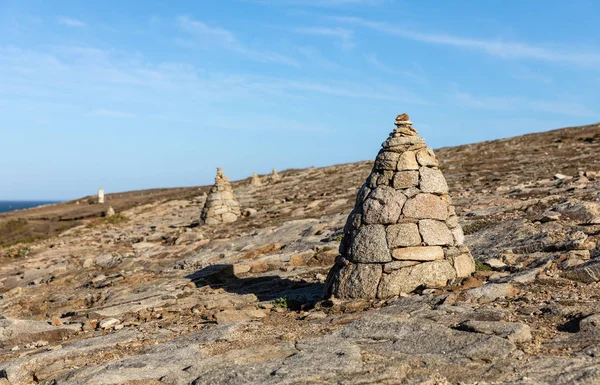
(150, 297)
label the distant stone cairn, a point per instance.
(255, 181)
(221, 205)
(275, 176)
(110, 212)
(403, 232)
(100, 196)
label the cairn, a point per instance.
(275, 176)
(221, 205)
(100, 196)
(403, 232)
(110, 212)
(255, 181)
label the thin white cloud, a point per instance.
(70, 22)
(518, 103)
(498, 48)
(205, 36)
(341, 34)
(82, 78)
(374, 61)
(524, 73)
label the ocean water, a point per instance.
(6, 206)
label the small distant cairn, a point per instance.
(403, 232)
(110, 212)
(100, 196)
(255, 181)
(221, 205)
(275, 176)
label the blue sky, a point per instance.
(127, 95)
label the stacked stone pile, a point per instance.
(221, 206)
(275, 176)
(403, 232)
(255, 181)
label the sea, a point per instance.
(6, 206)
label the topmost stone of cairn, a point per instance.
(221, 205)
(403, 232)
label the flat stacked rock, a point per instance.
(255, 181)
(221, 205)
(403, 232)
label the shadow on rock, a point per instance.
(300, 293)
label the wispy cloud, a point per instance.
(205, 36)
(81, 79)
(518, 103)
(70, 22)
(342, 34)
(417, 75)
(524, 73)
(498, 48)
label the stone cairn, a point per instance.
(110, 212)
(255, 181)
(100, 196)
(403, 232)
(275, 176)
(221, 205)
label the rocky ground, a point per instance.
(150, 297)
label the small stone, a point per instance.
(590, 323)
(370, 245)
(239, 269)
(464, 265)
(459, 236)
(383, 206)
(405, 179)
(426, 157)
(407, 161)
(356, 281)
(230, 316)
(397, 265)
(491, 292)
(432, 181)
(108, 323)
(561, 176)
(402, 141)
(426, 206)
(452, 222)
(402, 118)
(435, 233)
(419, 253)
(250, 212)
(316, 315)
(495, 263)
(387, 160)
(56, 322)
(408, 279)
(403, 235)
